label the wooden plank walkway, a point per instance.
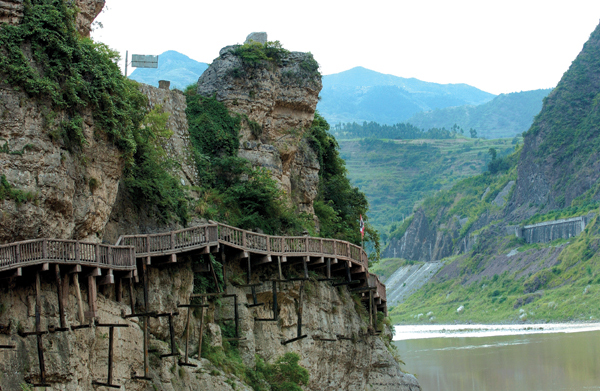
(123, 255)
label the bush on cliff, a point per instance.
(338, 205)
(72, 73)
(232, 191)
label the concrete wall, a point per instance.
(551, 230)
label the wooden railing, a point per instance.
(171, 242)
(37, 251)
(123, 255)
(203, 235)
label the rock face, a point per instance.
(11, 12)
(422, 241)
(75, 358)
(279, 101)
(560, 159)
(66, 205)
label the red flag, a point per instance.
(362, 227)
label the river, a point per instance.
(545, 357)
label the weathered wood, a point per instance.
(78, 295)
(38, 327)
(92, 297)
(201, 329)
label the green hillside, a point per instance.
(499, 277)
(505, 116)
(397, 174)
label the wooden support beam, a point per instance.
(45, 267)
(72, 269)
(119, 290)
(92, 298)
(173, 258)
(96, 272)
(318, 260)
(304, 264)
(61, 300)
(78, 295)
(18, 272)
(131, 296)
(38, 327)
(239, 256)
(299, 335)
(214, 275)
(111, 337)
(262, 260)
(201, 329)
(108, 279)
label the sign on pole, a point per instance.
(143, 61)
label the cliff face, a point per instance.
(75, 358)
(65, 206)
(279, 101)
(11, 12)
(560, 159)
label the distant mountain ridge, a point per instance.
(360, 94)
(507, 115)
(178, 68)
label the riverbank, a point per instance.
(410, 332)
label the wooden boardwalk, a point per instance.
(338, 256)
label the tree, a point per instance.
(473, 133)
(493, 153)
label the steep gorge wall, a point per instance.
(75, 358)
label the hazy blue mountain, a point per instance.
(505, 116)
(360, 94)
(178, 68)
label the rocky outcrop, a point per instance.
(73, 194)
(11, 12)
(560, 159)
(279, 102)
(88, 11)
(423, 241)
(178, 146)
(75, 358)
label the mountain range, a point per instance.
(178, 68)
(361, 94)
(504, 116)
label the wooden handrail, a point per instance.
(38, 251)
(161, 243)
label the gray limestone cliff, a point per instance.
(11, 12)
(75, 358)
(279, 100)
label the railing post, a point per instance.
(18, 253)
(307, 246)
(45, 249)
(77, 255)
(335, 247)
(269, 244)
(110, 256)
(172, 240)
(244, 239)
(206, 239)
(321, 246)
(97, 251)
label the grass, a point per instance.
(396, 175)
(566, 291)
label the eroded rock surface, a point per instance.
(11, 12)
(281, 100)
(74, 193)
(75, 358)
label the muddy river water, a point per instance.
(544, 357)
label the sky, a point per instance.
(497, 46)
